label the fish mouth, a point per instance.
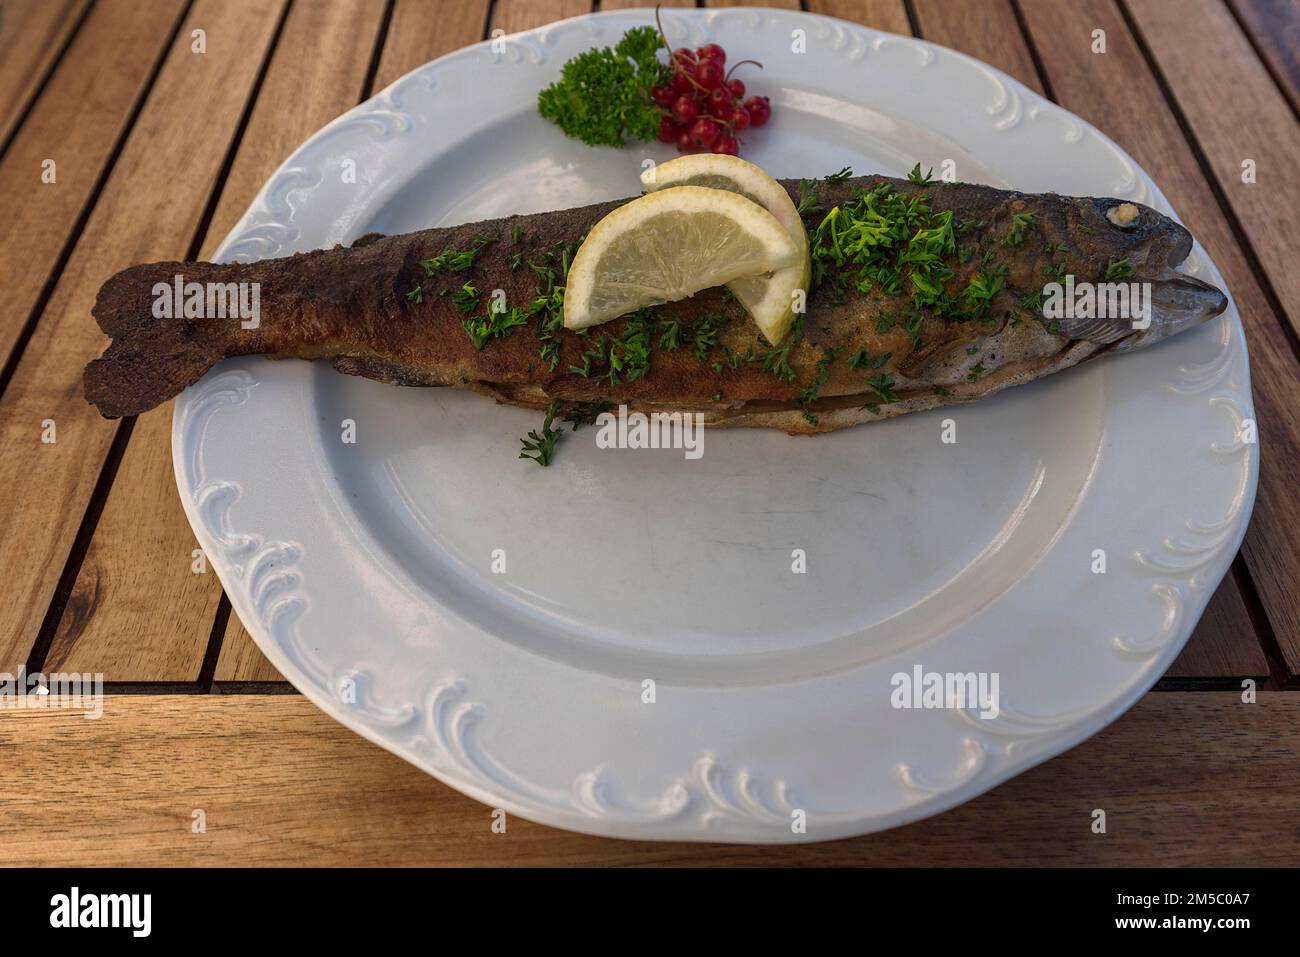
(1177, 302)
(1163, 301)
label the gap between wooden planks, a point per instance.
(32, 37)
(136, 579)
(1237, 114)
(1274, 27)
(280, 783)
(137, 570)
(149, 209)
(84, 109)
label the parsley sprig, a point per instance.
(603, 96)
(540, 446)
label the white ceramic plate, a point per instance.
(364, 570)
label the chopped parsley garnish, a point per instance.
(863, 360)
(809, 202)
(466, 298)
(808, 395)
(1021, 223)
(454, 260)
(841, 176)
(921, 179)
(1033, 302)
(983, 286)
(416, 295)
(670, 335)
(1119, 269)
(883, 386)
(497, 324)
(540, 446)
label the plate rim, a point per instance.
(242, 600)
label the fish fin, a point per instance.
(150, 359)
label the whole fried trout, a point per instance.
(418, 310)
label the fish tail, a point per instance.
(151, 358)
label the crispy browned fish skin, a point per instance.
(350, 305)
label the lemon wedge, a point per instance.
(772, 300)
(668, 245)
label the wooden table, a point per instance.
(158, 149)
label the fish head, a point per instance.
(1166, 302)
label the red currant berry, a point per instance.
(686, 108)
(684, 142)
(663, 95)
(681, 83)
(711, 51)
(709, 75)
(669, 130)
(740, 119)
(737, 89)
(727, 145)
(705, 133)
(721, 97)
(683, 58)
(760, 110)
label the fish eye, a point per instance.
(1124, 215)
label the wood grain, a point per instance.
(987, 31)
(1225, 643)
(81, 115)
(414, 37)
(280, 783)
(137, 578)
(240, 658)
(888, 15)
(515, 15)
(1117, 92)
(604, 5)
(150, 209)
(31, 37)
(783, 4)
(1274, 26)
(1236, 113)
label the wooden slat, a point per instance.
(280, 783)
(515, 15)
(1274, 27)
(414, 38)
(889, 15)
(240, 658)
(31, 36)
(987, 31)
(80, 116)
(138, 612)
(787, 4)
(1236, 113)
(149, 209)
(604, 5)
(1117, 92)
(1225, 643)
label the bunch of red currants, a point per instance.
(704, 108)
